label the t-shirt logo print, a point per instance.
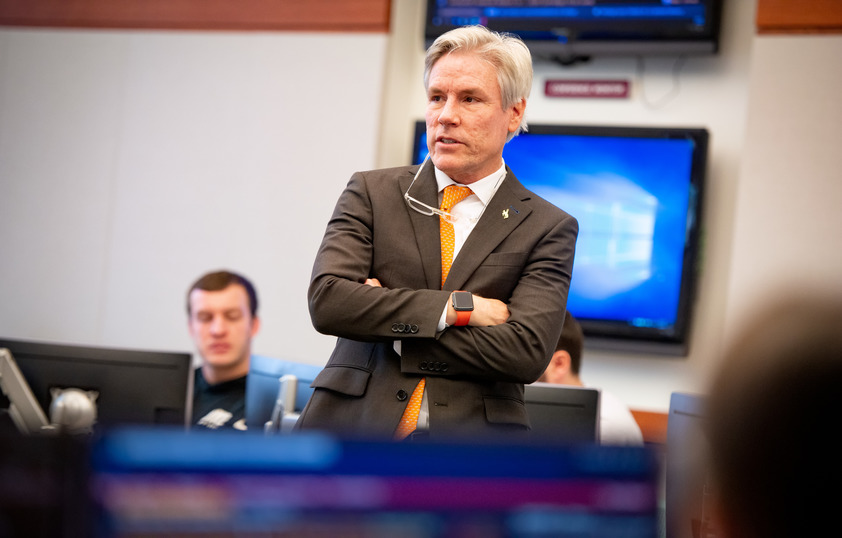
(215, 419)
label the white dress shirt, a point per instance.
(466, 214)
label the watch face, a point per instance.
(463, 300)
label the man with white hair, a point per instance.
(447, 282)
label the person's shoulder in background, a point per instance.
(617, 425)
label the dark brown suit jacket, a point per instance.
(520, 252)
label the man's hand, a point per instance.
(486, 312)
(373, 282)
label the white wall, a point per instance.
(131, 162)
(788, 237)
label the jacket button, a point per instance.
(413, 329)
(422, 365)
(401, 395)
(443, 367)
(394, 327)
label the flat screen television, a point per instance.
(129, 387)
(637, 193)
(566, 30)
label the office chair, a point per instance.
(277, 391)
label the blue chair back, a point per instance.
(262, 386)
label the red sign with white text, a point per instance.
(613, 89)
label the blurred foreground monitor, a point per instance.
(168, 483)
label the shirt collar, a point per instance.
(484, 188)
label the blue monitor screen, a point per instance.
(636, 193)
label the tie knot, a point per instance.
(453, 194)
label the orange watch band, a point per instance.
(463, 305)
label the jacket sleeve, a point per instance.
(539, 262)
(340, 302)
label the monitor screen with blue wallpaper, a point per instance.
(637, 194)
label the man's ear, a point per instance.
(517, 112)
(563, 359)
(559, 367)
(255, 326)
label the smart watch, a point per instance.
(463, 304)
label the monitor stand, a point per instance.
(283, 415)
(73, 411)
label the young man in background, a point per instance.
(222, 320)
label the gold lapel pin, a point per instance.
(505, 213)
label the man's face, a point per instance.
(467, 126)
(222, 327)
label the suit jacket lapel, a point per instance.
(505, 212)
(426, 227)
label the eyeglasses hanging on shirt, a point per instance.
(424, 209)
(421, 207)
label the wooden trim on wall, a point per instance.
(263, 15)
(799, 16)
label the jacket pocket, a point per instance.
(505, 411)
(349, 381)
(504, 259)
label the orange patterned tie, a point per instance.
(409, 420)
(452, 195)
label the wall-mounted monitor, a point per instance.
(566, 30)
(637, 194)
(137, 387)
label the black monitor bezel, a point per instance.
(40, 362)
(628, 38)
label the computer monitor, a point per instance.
(637, 193)
(310, 484)
(23, 408)
(688, 493)
(567, 31)
(127, 386)
(561, 413)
